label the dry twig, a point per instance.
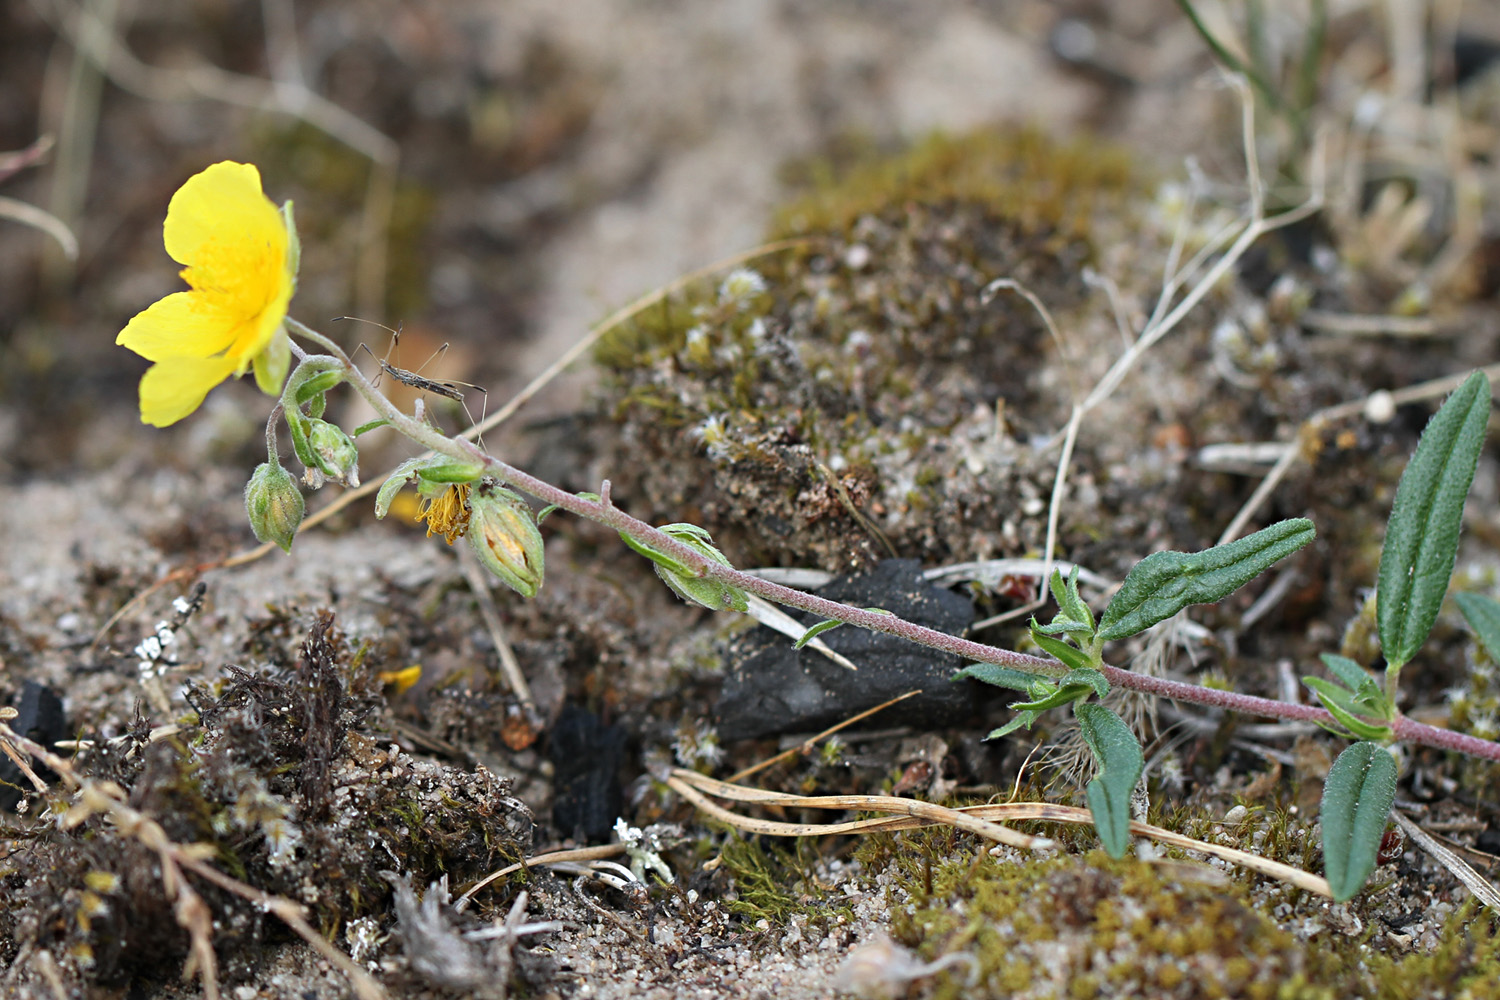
(982, 820)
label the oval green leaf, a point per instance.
(1164, 583)
(1357, 800)
(365, 428)
(1069, 604)
(1120, 760)
(1421, 539)
(446, 470)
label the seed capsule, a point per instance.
(504, 535)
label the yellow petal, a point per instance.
(401, 680)
(184, 324)
(258, 334)
(173, 387)
(222, 203)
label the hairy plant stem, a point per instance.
(605, 512)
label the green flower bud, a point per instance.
(504, 535)
(333, 452)
(274, 505)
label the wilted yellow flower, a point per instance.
(241, 262)
(447, 514)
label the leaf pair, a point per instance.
(682, 579)
(1157, 588)
(1416, 564)
(1116, 750)
(1357, 695)
(1043, 693)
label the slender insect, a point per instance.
(446, 389)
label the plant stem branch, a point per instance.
(605, 512)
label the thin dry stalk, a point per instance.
(576, 854)
(692, 785)
(41, 219)
(1163, 320)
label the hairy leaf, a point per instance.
(1164, 583)
(1357, 799)
(1069, 604)
(1059, 694)
(828, 624)
(365, 428)
(1120, 764)
(1352, 675)
(448, 471)
(993, 673)
(541, 515)
(1342, 706)
(816, 630)
(1072, 656)
(685, 582)
(1421, 538)
(398, 478)
(1021, 719)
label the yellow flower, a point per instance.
(241, 262)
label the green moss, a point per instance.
(1465, 965)
(1071, 926)
(772, 883)
(1023, 175)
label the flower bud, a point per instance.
(274, 505)
(504, 535)
(333, 452)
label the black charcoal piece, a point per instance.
(586, 756)
(40, 717)
(772, 688)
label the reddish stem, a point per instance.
(608, 514)
(605, 512)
